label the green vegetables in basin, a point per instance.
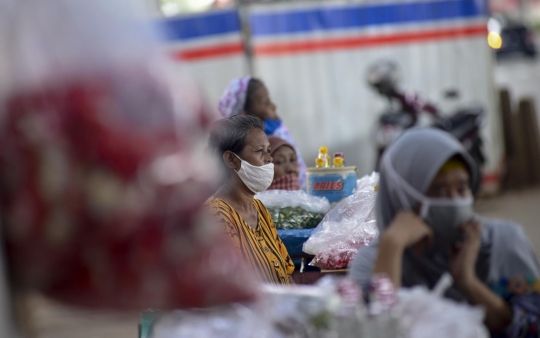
(289, 218)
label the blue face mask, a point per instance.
(270, 126)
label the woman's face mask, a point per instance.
(271, 125)
(256, 178)
(445, 216)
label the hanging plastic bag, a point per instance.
(346, 227)
(294, 209)
(102, 173)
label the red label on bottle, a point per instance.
(325, 186)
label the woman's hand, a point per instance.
(407, 229)
(462, 268)
(463, 262)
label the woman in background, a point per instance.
(249, 96)
(286, 168)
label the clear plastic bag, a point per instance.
(294, 209)
(281, 312)
(425, 313)
(102, 177)
(229, 321)
(334, 307)
(336, 258)
(331, 308)
(349, 225)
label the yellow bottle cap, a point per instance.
(320, 162)
(338, 161)
(323, 150)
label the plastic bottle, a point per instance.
(338, 162)
(323, 153)
(319, 163)
(342, 156)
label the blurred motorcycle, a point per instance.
(405, 109)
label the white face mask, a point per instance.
(443, 215)
(257, 179)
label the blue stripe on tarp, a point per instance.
(328, 18)
(208, 24)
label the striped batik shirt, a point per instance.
(261, 247)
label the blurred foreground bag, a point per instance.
(425, 313)
(102, 177)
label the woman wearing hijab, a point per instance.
(286, 168)
(241, 145)
(428, 227)
(249, 96)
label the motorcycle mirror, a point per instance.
(451, 94)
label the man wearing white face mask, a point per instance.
(428, 227)
(241, 146)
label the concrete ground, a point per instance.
(47, 319)
(522, 207)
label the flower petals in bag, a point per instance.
(101, 198)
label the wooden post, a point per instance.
(520, 177)
(535, 146)
(509, 174)
(531, 137)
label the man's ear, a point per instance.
(230, 160)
